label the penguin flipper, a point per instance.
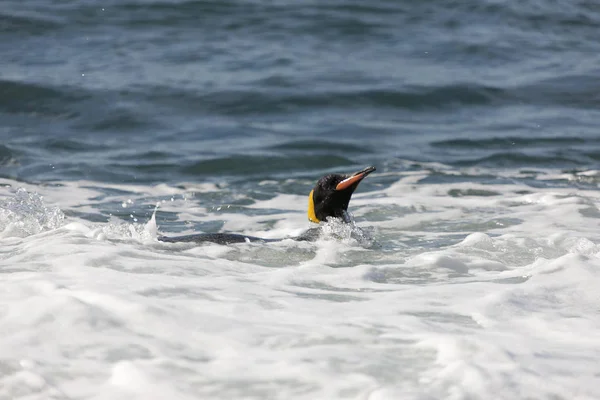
(310, 235)
(219, 238)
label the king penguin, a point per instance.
(328, 199)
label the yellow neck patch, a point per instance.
(311, 208)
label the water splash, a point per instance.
(25, 214)
(151, 227)
(127, 231)
(347, 231)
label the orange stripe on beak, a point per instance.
(356, 178)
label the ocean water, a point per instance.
(471, 270)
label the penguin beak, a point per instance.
(354, 179)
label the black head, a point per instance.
(331, 195)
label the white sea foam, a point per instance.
(449, 294)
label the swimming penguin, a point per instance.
(329, 198)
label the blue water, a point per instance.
(165, 91)
(482, 118)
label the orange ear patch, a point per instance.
(311, 208)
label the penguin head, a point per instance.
(332, 193)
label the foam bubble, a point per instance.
(25, 213)
(445, 290)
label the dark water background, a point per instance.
(167, 91)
